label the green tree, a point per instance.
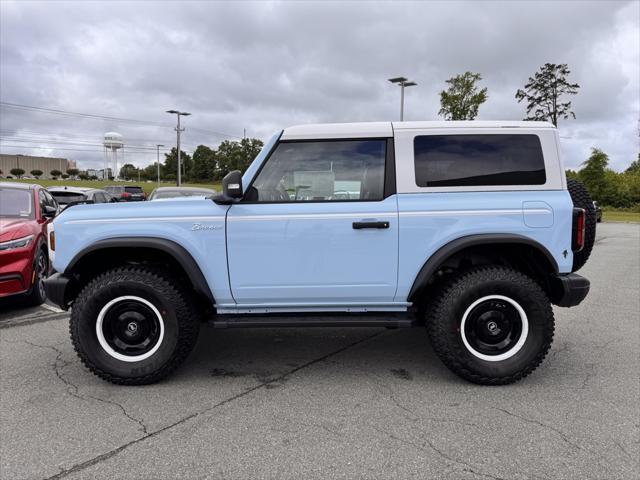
(17, 172)
(634, 167)
(36, 173)
(204, 163)
(83, 176)
(463, 98)
(572, 174)
(55, 173)
(232, 155)
(593, 173)
(128, 171)
(545, 91)
(150, 172)
(170, 170)
(65, 176)
(73, 172)
(250, 148)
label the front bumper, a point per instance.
(568, 290)
(56, 288)
(16, 273)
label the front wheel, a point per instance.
(37, 294)
(133, 325)
(491, 325)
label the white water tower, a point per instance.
(113, 142)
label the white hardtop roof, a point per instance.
(385, 129)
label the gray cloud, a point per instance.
(263, 66)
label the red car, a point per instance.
(25, 211)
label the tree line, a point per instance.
(608, 187)
(205, 165)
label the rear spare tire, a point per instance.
(581, 199)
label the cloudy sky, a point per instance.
(266, 65)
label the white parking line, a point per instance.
(51, 308)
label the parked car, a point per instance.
(66, 196)
(25, 212)
(598, 212)
(126, 193)
(469, 229)
(162, 193)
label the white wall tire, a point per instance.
(108, 348)
(465, 300)
(514, 349)
(124, 295)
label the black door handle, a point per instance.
(361, 225)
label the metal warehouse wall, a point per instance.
(28, 163)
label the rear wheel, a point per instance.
(491, 325)
(581, 199)
(133, 325)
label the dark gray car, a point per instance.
(66, 195)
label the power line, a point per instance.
(81, 140)
(19, 139)
(77, 149)
(18, 106)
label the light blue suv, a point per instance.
(467, 228)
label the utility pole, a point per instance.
(158, 162)
(179, 130)
(403, 82)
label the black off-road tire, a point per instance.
(444, 318)
(581, 199)
(180, 317)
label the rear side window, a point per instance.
(133, 189)
(478, 160)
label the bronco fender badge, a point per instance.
(200, 226)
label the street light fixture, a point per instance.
(403, 82)
(158, 147)
(178, 130)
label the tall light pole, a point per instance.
(158, 147)
(403, 82)
(178, 130)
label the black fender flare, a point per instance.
(443, 253)
(175, 250)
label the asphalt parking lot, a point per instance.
(335, 403)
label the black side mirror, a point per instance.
(49, 211)
(232, 184)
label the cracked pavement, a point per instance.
(335, 403)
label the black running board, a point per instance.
(313, 320)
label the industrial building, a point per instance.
(28, 163)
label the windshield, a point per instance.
(133, 189)
(253, 168)
(16, 203)
(65, 198)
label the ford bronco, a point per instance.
(469, 229)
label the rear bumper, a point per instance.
(56, 287)
(568, 290)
